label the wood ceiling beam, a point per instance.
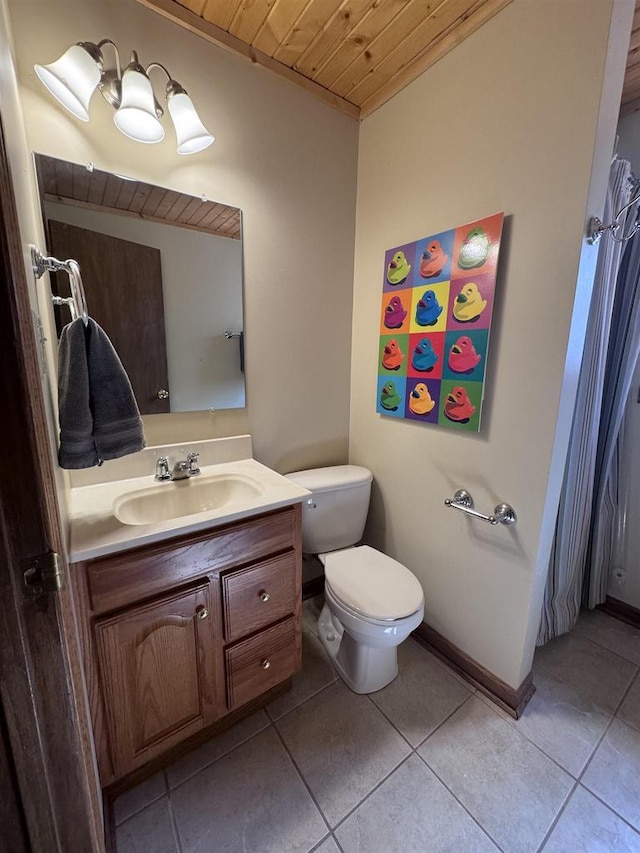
(214, 34)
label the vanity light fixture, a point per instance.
(73, 78)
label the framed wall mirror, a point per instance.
(162, 273)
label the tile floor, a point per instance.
(426, 765)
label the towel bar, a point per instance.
(77, 302)
(502, 514)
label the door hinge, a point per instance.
(43, 574)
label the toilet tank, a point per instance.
(336, 514)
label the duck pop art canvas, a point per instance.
(437, 303)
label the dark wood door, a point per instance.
(42, 691)
(157, 663)
(123, 286)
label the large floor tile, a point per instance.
(150, 831)
(614, 771)
(412, 812)
(587, 826)
(137, 798)
(251, 799)
(630, 709)
(562, 723)
(317, 672)
(512, 789)
(213, 749)
(613, 634)
(328, 846)
(598, 675)
(343, 747)
(423, 694)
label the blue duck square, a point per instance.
(433, 256)
(391, 396)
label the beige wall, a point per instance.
(286, 159)
(510, 120)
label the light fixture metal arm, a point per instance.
(173, 87)
(116, 51)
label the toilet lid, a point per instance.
(372, 583)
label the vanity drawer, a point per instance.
(258, 595)
(122, 579)
(258, 664)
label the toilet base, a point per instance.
(363, 668)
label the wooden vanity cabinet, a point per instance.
(179, 634)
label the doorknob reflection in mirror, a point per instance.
(163, 394)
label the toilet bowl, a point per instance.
(372, 602)
(375, 605)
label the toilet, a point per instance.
(372, 602)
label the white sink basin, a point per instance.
(181, 498)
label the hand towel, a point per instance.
(98, 413)
(117, 425)
(77, 445)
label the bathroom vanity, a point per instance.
(191, 629)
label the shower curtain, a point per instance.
(624, 350)
(580, 550)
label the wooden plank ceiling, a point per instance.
(631, 88)
(355, 54)
(70, 183)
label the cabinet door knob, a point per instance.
(202, 612)
(264, 595)
(163, 394)
(265, 664)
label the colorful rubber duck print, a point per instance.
(398, 269)
(392, 355)
(428, 309)
(458, 407)
(469, 304)
(463, 357)
(394, 313)
(389, 397)
(423, 357)
(420, 402)
(475, 249)
(433, 260)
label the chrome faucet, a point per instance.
(180, 470)
(192, 462)
(162, 468)
(183, 469)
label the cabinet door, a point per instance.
(158, 664)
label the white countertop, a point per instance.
(95, 530)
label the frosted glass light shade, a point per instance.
(136, 116)
(192, 135)
(72, 80)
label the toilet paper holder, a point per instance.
(503, 513)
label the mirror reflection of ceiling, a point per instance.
(353, 54)
(81, 185)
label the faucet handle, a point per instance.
(162, 468)
(192, 460)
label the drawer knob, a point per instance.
(265, 664)
(202, 612)
(264, 595)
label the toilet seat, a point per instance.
(372, 585)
